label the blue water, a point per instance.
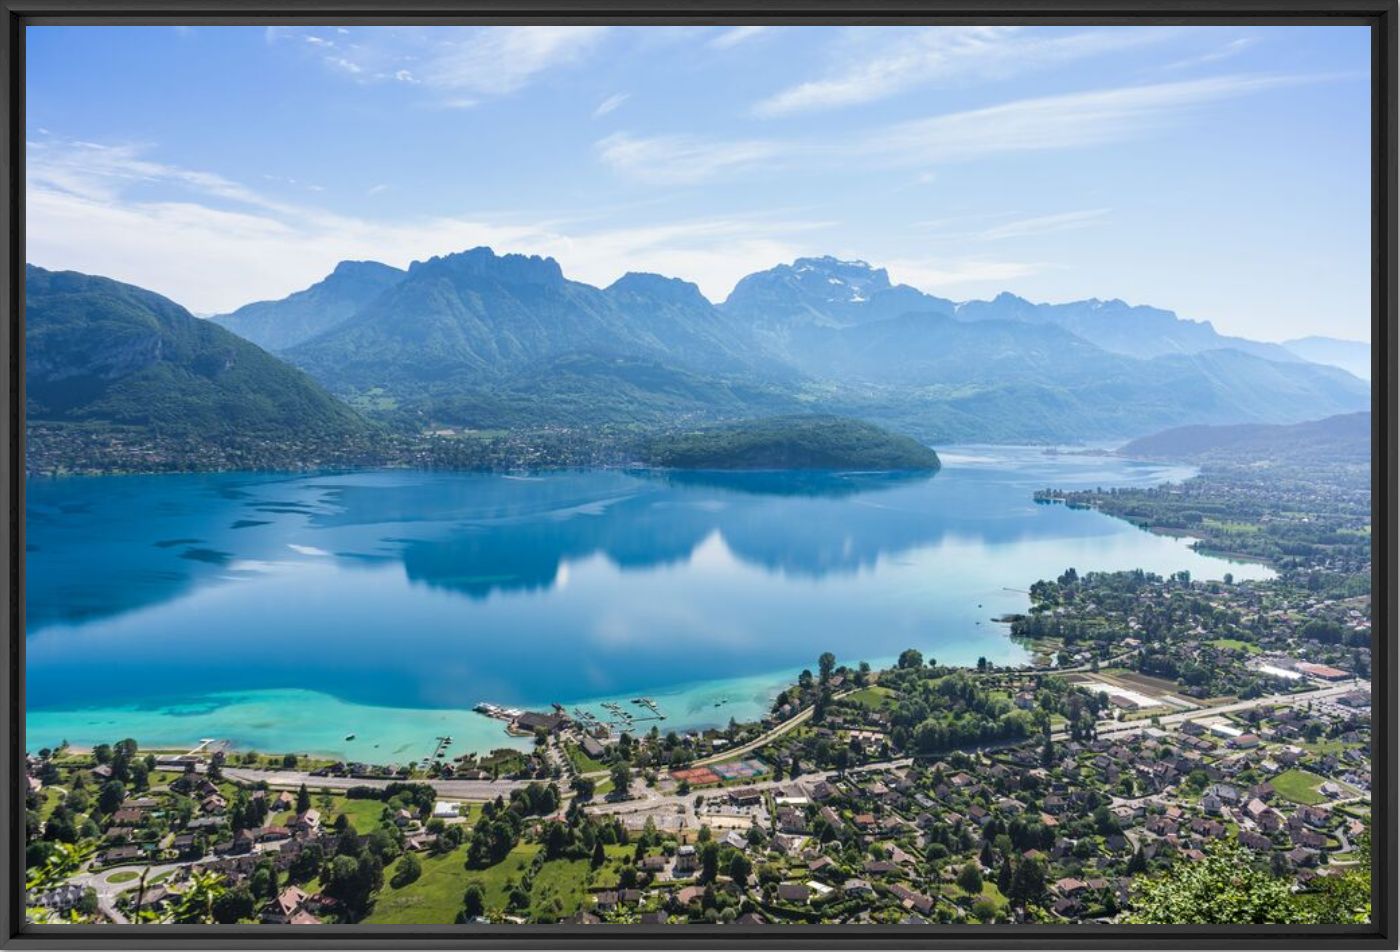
(283, 611)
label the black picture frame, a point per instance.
(1380, 15)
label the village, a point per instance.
(1165, 724)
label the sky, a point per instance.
(1221, 172)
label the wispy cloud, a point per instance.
(1043, 225)
(873, 70)
(948, 273)
(682, 160)
(739, 34)
(459, 65)
(1234, 48)
(609, 104)
(1076, 120)
(495, 61)
(220, 244)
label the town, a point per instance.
(1170, 735)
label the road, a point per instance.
(769, 736)
(490, 789)
(1115, 727)
(292, 779)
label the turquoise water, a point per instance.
(282, 612)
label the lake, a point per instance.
(284, 611)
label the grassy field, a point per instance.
(1236, 644)
(582, 762)
(436, 896)
(559, 889)
(362, 814)
(873, 697)
(1300, 786)
(124, 877)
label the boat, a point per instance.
(349, 736)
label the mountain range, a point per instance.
(101, 352)
(478, 340)
(1353, 356)
(1344, 438)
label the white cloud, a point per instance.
(460, 64)
(609, 104)
(682, 160)
(221, 245)
(1075, 120)
(936, 276)
(1043, 225)
(1229, 50)
(875, 69)
(735, 35)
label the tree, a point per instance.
(709, 861)
(621, 775)
(473, 901)
(353, 881)
(303, 799)
(408, 870)
(263, 882)
(826, 664)
(600, 855)
(195, 904)
(306, 864)
(1138, 864)
(911, 658)
(233, 905)
(1028, 885)
(1223, 889)
(110, 797)
(740, 868)
(1005, 877)
(970, 879)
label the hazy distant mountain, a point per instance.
(101, 352)
(485, 340)
(1353, 356)
(277, 325)
(466, 329)
(1345, 438)
(1137, 331)
(823, 292)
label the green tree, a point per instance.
(621, 775)
(1224, 889)
(1028, 885)
(970, 879)
(408, 870)
(739, 868)
(110, 797)
(473, 901)
(233, 905)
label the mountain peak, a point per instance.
(852, 280)
(482, 262)
(350, 268)
(644, 283)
